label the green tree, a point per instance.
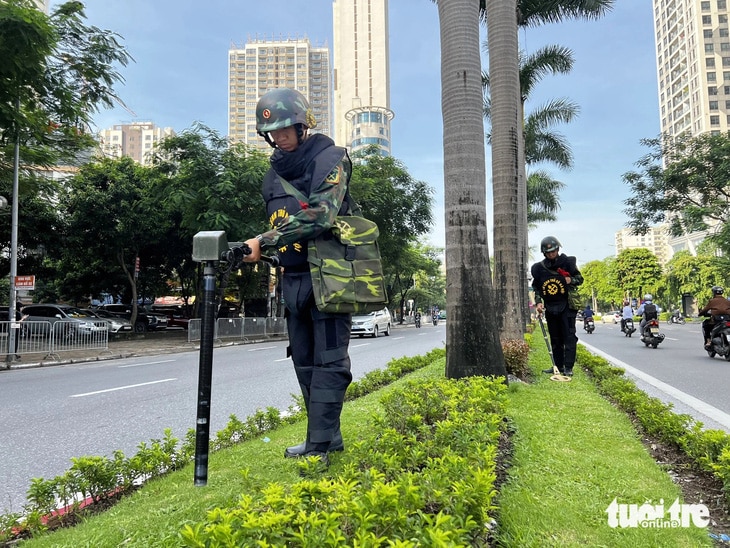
(527, 13)
(472, 335)
(400, 205)
(637, 272)
(691, 193)
(110, 219)
(599, 283)
(690, 275)
(55, 73)
(207, 183)
(542, 197)
(508, 180)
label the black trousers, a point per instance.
(318, 346)
(563, 338)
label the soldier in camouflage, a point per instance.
(318, 341)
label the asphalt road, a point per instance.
(679, 371)
(52, 414)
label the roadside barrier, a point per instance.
(52, 338)
(240, 328)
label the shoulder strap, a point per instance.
(291, 191)
(548, 269)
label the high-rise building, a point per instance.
(135, 140)
(693, 65)
(361, 83)
(655, 240)
(693, 69)
(263, 65)
(43, 5)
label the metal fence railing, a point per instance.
(239, 328)
(52, 337)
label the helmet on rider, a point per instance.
(281, 108)
(548, 244)
(648, 297)
(717, 290)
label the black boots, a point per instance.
(296, 451)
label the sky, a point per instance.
(179, 77)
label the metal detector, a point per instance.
(556, 376)
(211, 248)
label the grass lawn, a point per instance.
(573, 454)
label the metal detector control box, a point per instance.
(209, 245)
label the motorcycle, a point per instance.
(676, 317)
(417, 320)
(589, 325)
(628, 327)
(720, 337)
(651, 335)
(435, 319)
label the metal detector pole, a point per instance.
(205, 374)
(208, 247)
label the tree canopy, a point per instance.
(691, 193)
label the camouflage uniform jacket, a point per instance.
(319, 170)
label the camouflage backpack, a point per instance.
(347, 274)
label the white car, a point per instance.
(612, 317)
(372, 324)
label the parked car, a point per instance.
(75, 322)
(372, 324)
(144, 321)
(116, 324)
(177, 315)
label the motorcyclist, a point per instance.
(627, 313)
(587, 314)
(417, 317)
(718, 305)
(647, 311)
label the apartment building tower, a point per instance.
(262, 65)
(693, 65)
(693, 71)
(655, 240)
(136, 140)
(361, 74)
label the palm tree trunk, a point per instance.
(509, 232)
(472, 337)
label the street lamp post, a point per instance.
(12, 333)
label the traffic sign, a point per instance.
(25, 282)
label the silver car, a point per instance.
(72, 322)
(116, 324)
(372, 324)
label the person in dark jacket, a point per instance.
(718, 305)
(318, 341)
(552, 279)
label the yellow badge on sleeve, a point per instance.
(334, 176)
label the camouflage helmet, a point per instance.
(548, 244)
(283, 107)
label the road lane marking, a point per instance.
(262, 348)
(358, 345)
(145, 363)
(119, 388)
(283, 360)
(698, 405)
